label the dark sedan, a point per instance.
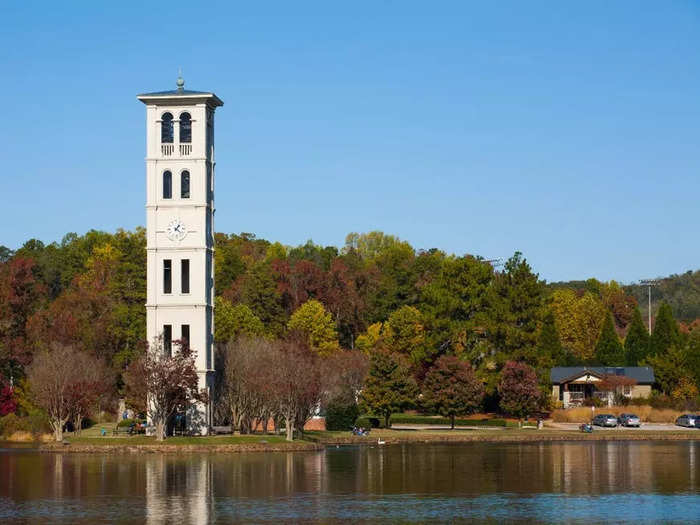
(687, 420)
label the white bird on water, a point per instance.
(380, 442)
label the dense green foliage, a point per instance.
(609, 351)
(637, 340)
(341, 416)
(368, 422)
(665, 333)
(549, 349)
(389, 387)
(235, 321)
(407, 419)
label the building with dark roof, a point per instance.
(572, 385)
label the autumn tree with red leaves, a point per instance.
(93, 383)
(518, 389)
(614, 383)
(8, 403)
(451, 388)
(20, 294)
(164, 384)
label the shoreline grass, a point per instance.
(317, 440)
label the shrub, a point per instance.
(407, 419)
(638, 401)
(369, 422)
(593, 402)
(621, 399)
(38, 422)
(129, 422)
(10, 423)
(661, 401)
(341, 416)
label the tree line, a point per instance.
(376, 297)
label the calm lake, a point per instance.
(575, 482)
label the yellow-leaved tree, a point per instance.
(312, 320)
(367, 341)
(579, 319)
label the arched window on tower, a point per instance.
(185, 185)
(166, 129)
(167, 185)
(185, 128)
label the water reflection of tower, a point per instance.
(611, 450)
(692, 448)
(639, 467)
(179, 489)
(58, 463)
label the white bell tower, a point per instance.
(180, 228)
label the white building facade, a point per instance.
(180, 229)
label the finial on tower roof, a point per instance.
(180, 81)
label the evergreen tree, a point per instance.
(549, 350)
(692, 352)
(454, 302)
(515, 302)
(404, 332)
(669, 368)
(665, 332)
(637, 340)
(389, 386)
(609, 350)
(259, 292)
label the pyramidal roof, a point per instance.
(180, 95)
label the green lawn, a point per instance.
(92, 436)
(194, 440)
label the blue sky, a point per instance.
(568, 132)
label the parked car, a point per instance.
(687, 420)
(605, 420)
(629, 420)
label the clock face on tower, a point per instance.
(176, 230)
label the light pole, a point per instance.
(649, 283)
